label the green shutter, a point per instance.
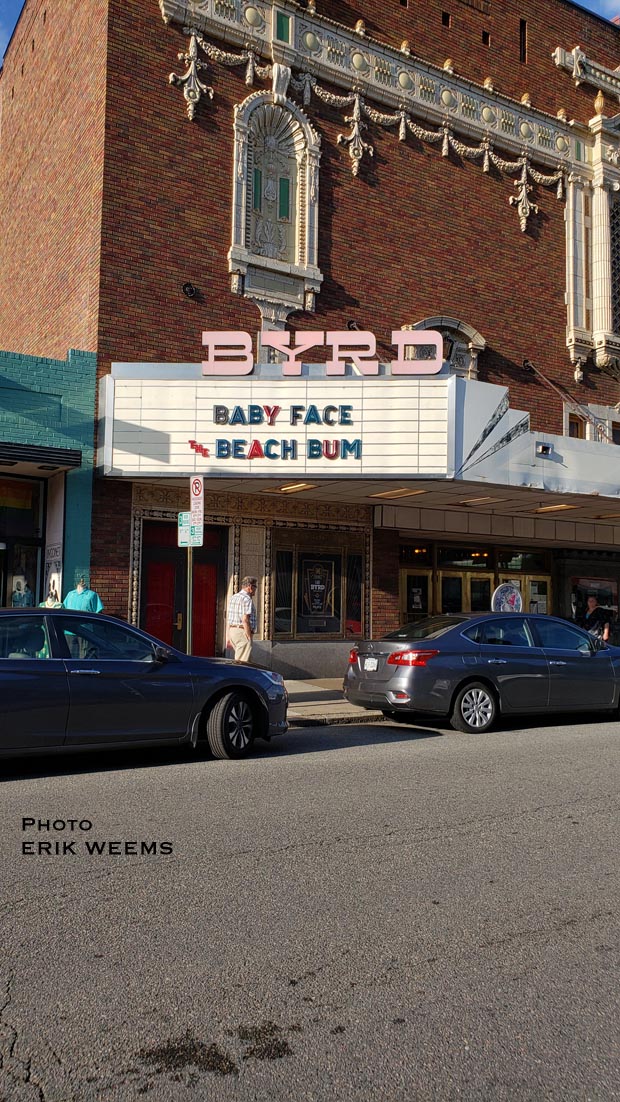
(257, 189)
(284, 199)
(283, 27)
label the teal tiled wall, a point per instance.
(51, 403)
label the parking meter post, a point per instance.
(190, 581)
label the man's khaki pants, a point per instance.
(241, 643)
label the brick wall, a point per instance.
(51, 155)
(385, 574)
(414, 235)
(111, 544)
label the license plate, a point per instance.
(370, 663)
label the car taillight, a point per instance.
(411, 657)
(353, 656)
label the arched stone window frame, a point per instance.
(462, 344)
(277, 287)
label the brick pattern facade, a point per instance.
(96, 250)
(52, 90)
(385, 572)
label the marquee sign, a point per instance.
(262, 426)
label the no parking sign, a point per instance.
(197, 507)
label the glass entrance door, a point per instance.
(464, 591)
(416, 595)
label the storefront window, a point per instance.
(353, 614)
(318, 592)
(417, 555)
(21, 523)
(459, 558)
(283, 617)
(530, 562)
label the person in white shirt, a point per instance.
(242, 619)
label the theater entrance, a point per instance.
(163, 590)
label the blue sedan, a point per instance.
(75, 681)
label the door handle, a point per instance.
(496, 661)
(84, 671)
(552, 663)
(179, 621)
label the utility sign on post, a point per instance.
(189, 534)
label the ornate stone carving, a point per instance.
(190, 82)
(355, 142)
(585, 71)
(274, 247)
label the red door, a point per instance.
(204, 601)
(163, 602)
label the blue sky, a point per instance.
(10, 9)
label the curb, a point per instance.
(325, 721)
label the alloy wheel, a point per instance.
(477, 708)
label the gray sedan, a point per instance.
(473, 668)
(77, 681)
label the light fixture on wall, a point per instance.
(352, 324)
(189, 290)
(543, 449)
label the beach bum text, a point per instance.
(81, 844)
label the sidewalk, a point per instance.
(320, 702)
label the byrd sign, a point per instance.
(230, 352)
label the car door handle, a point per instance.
(552, 663)
(496, 661)
(85, 671)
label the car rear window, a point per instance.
(429, 628)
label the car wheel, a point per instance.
(475, 708)
(231, 727)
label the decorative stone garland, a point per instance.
(307, 85)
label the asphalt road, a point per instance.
(355, 913)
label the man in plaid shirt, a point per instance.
(242, 620)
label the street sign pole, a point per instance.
(190, 596)
(196, 537)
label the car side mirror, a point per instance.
(160, 654)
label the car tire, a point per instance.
(475, 708)
(231, 727)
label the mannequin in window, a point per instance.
(22, 596)
(83, 598)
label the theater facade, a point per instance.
(360, 269)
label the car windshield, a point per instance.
(429, 628)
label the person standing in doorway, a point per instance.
(596, 620)
(242, 619)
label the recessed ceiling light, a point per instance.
(293, 488)
(554, 508)
(482, 500)
(403, 492)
